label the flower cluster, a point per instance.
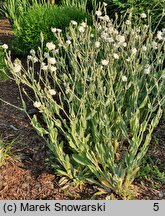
(108, 33)
(56, 30)
(161, 35)
(82, 27)
(17, 66)
(50, 46)
(5, 46)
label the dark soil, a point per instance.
(25, 175)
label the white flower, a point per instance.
(111, 29)
(109, 40)
(97, 44)
(144, 48)
(51, 60)
(37, 104)
(5, 46)
(116, 31)
(105, 4)
(133, 32)
(120, 39)
(52, 92)
(106, 18)
(29, 57)
(92, 35)
(104, 62)
(83, 24)
(138, 30)
(143, 15)
(59, 30)
(42, 64)
(124, 78)
(104, 35)
(106, 29)
(116, 45)
(98, 13)
(81, 29)
(32, 52)
(53, 30)
(146, 26)
(147, 69)
(50, 45)
(56, 30)
(124, 44)
(44, 67)
(73, 22)
(17, 68)
(34, 59)
(101, 17)
(116, 56)
(99, 27)
(52, 68)
(154, 45)
(160, 35)
(128, 22)
(134, 51)
(68, 42)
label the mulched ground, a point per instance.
(25, 175)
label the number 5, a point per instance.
(156, 207)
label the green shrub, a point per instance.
(138, 6)
(41, 18)
(14, 10)
(100, 100)
(3, 68)
(80, 4)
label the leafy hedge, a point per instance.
(41, 18)
(2, 64)
(138, 6)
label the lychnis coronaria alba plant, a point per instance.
(99, 92)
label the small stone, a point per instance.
(25, 185)
(161, 194)
(14, 128)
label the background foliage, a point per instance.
(41, 18)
